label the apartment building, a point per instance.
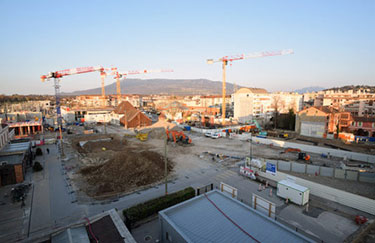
(285, 101)
(252, 102)
(318, 122)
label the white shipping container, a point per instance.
(294, 192)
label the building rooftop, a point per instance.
(12, 159)
(251, 90)
(202, 219)
(15, 148)
(293, 185)
(105, 227)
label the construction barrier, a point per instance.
(229, 189)
(264, 206)
(345, 198)
(314, 149)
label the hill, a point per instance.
(309, 89)
(162, 86)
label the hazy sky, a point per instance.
(333, 41)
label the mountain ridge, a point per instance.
(162, 86)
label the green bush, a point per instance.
(37, 166)
(144, 210)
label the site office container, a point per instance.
(295, 193)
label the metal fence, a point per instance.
(325, 171)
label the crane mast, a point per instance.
(123, 74)
(224, 60)
(56, 76)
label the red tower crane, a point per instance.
(123, 74)
(56, 76)
(226, 59)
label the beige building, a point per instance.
(317, 122)
(284, 101)
(250, 103)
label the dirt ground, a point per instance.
(123, 164)
(110, 164)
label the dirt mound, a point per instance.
(157, 130)
(124, 172)
(165, 125)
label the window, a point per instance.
(359, 124)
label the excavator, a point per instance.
(178, 137)
(301, 155)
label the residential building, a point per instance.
(210, 218)
(14, 159)
(363, 126)
(6, 135)
(317, 122)
(250, 103)
(106, 227)
(285, 101)
(131, 117)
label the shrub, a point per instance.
(37, 166)
(144, 210)
(38, 151)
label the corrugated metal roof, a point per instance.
(293, 185)
(200, 221)
(15, 147)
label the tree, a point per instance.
(291, 119)
(277, 105)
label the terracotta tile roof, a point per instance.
(124, 106)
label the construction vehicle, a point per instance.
(247, 128)
(262, 134)
(289, 150)
(230, 59)
(303, 156)
(178, 137)
(142, 136)
(300, 155)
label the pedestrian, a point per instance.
(47, 150)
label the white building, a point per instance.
(250, 103)
(5, 135)
(284, 101)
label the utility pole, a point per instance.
(223, 105)
(251, 146)
(165, 165)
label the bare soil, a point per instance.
(117, 166)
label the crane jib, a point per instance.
(78, 70)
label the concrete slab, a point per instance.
(327, 226)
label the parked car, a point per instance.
(208, 134)
(215, 135)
